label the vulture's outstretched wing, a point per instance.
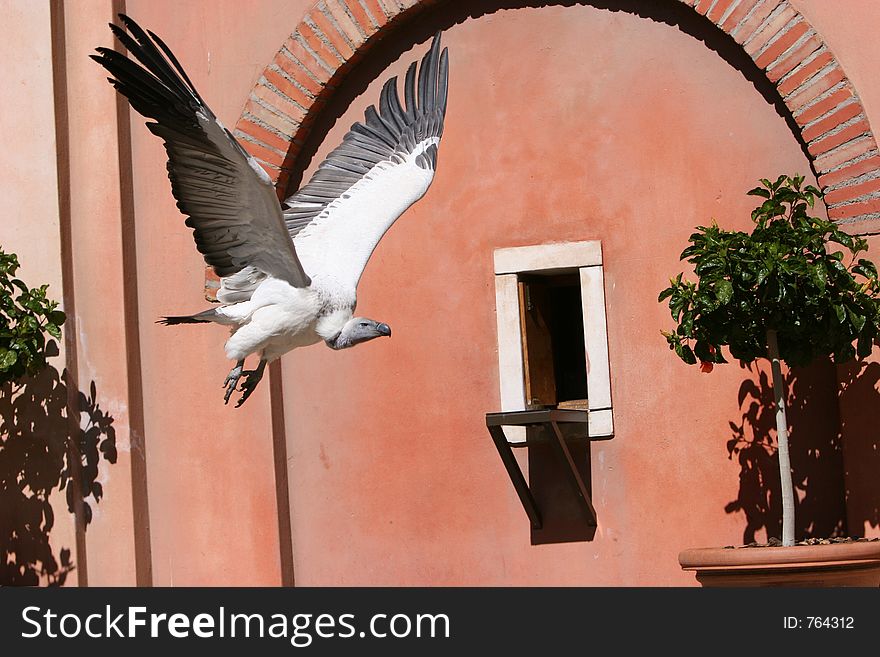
(229, 199)
(383, 166)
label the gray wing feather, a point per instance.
(230, 202)
(385, 134)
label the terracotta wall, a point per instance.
(30, 225)
(565, 123)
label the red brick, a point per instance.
(847, 134)
(391, 8)
(852, 171)
(716, 14)
(814, 89)
(262, 153)
(795, 80)
(832, 121)
(310, 63)
(261, 134)
(861, 226)
(737, 15)
(297, 63)
(327, 56)
(846, 193)
(782, 44)
(345, 23)
(212, 284)
(298, 71)
(376, 12)
(815, 111)
(854, 209)
(281, 184)
(798, 55)
(336, 39)
(271, 171)
(702, 6)
(361, 16)
(294, 113)
(274, 120)
(849, 152)
(770, 30)
(286, 87)
(748, 28)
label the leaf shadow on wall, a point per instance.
(860, 425)
(815, 446)
(43, 449)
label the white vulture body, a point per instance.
(289, 272)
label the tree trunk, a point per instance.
(782, 441)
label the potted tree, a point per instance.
(793, 290)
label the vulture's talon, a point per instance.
(232, 380)
(247, 388)
(252, 378)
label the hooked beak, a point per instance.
(384, 329)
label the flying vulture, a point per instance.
(288, 271)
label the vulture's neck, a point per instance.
(330, 326)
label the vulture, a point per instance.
(288, 270)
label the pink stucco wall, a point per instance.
(30, 223)
(564, 123)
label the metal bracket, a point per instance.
(551, 418)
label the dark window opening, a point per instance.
(552, 323)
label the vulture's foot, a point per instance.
(252, 378)
(232, 380)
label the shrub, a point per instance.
(26, 317)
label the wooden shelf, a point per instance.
(551, 419)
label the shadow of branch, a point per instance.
(43, 449)
(815, 447)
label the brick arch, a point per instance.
(334, 35)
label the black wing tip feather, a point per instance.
(425, 90)
(156, 69)
(388, 127)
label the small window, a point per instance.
(552, 338)
(552, 326)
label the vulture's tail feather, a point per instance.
(199, 318)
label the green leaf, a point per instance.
(868, 266)
(53, 330)
(840, 311)
(723, 291)
(820, 276)
(687, 355)
(858, 321)
(665, 294)
(7, 358)
(763, 272)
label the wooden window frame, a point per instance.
(586, 259)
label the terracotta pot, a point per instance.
(837, 564)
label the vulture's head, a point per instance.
(357, 330)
